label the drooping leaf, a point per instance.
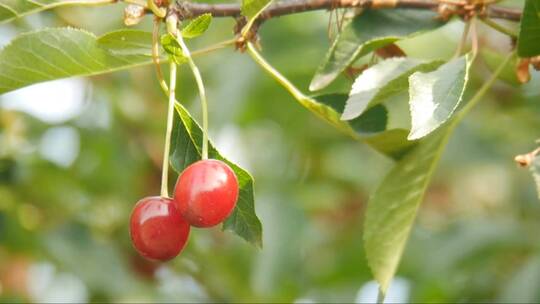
(186, 149)
(197, 26)
(11, 9)
(534, 167)
(380, 81)
(173, 48)
(529, 30)
(365, 33)
(434, 96)
(252, 8)
(51, 54)
(392, 208)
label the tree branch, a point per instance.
(188, 10)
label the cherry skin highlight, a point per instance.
(157, 228)
(206, 193)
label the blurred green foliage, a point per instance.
(64, 231)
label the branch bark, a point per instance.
(188, 10)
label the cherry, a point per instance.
(158, 230)
(206, 192)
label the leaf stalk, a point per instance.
(202, 94)
(172, 22)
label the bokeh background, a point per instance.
(76, 154)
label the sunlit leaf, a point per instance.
(380, 81)
(529, 31)
(434, 96)
(51, 54)
(392, 208)
(186, 149)
(370, 127)
(197, 26)
(11, 9)
(365, 33)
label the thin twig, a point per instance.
(214, 47)
(494, 25)
(187, 10)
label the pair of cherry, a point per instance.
(205, 195)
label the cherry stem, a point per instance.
(172, 29)
(463, 39)
(155, 55)
(156, 59)
(202, 94)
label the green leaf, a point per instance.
(173, 48)
(369, 127)
(529, 31)
(392, 142)
(330, 106)
(367, 32)
(535, 171)
(11, 9)
(197, 26)
(380, 81)
(51, 54)
(186, 149)
(252, 8)
(392, 208)
(127, 42)
(434, 96)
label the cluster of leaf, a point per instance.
(435, 90)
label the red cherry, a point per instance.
(206, 193)
(158, 230)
